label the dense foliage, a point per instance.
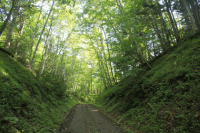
(90, 44)
(123, 48)
(162, 99)
(27, 104)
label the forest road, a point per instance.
(86, 118)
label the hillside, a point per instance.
(165, 98)
(138, 60)
(28, 104)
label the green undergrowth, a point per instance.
(90, 98)
(28, 104)
(165, 98)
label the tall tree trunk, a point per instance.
(111, 68)
(23, 18)
(47, 49)
(44, 27)
(186, 17)
(101, 65)
(45, 59)
(157, 31)
(57, 63)
(115, 31)
(18, 37)
(131, 36)
(9, 36)
(164, 29)
(190, 15)
(195, 11)
(103, 77)
(173, 23)
(91, 85)
(105, 61)
(8, 17)
(64, 71)
(34, 33)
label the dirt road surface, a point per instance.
(85, 118)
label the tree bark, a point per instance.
(36, 48)
(34, 32)
(105, 61)
(164, 30)
(8, 17)
(109, 55)
(195, 12)
(18, 37)
(156, 29)
(173, 23)
(190, 15)
(131, 36)
(186, 17)
(47, 49)
(9, 35)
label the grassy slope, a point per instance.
(163, 99)
(27, 104)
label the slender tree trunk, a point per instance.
(114, 29)
(45, 59)
(131, 37)
(101, 65)
(118, 37)
(164, 30)
(37, 45)
(44, 62)
(186, 17)
(111, 68)
(34, 32)
(174, 26)
(195, 12)
(23, 20)
(64, 71)
(8, 17)
(62, 64)
(20, 32)
(18, 37)
(103, 78)
(57, 64)
(190, 15)
(156, 29)
(91, 85)
(72, 71)
(105, 62)
(175, 23)
(9, 36)
(47, 49)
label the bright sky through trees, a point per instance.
(76, 40)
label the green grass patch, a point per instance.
(28, 104)
(165, 98)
